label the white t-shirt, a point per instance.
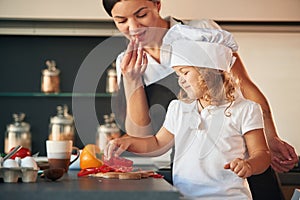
(205, 142)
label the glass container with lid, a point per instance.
(107, 131)
(17, 133)
(62, 125)
(111, 80)
(50, 78)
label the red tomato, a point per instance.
(22, 153)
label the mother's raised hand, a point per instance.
(134, 62)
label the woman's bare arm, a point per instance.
(133, 65)
(284, 156)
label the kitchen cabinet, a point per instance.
(22, 59)
(289, 182)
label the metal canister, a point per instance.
(111, 80)
(61, 126)
(17, 133)
(50, 82)
(107, 131)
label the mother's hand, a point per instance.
(134, 62)
(284, 156)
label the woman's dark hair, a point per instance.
(109, 4)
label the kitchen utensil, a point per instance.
(10, 154)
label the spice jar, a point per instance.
(107, 131)
(17, 133)
(61, 126)
(50, 78)
(111, 80)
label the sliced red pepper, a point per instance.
(105, 168)
(95, 170)
(156, 176)
(87, 171)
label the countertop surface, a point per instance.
(290, 178)
(72, 187)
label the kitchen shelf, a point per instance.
(62, 94)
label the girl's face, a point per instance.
(134, 17)
(189, 80)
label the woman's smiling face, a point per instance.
(134, 17)
(189, 80)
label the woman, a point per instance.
(133, 18)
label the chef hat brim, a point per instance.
(201, 54)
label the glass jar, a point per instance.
(111, 80)
(50, 78)
(61, 126)
(107, 131)
(17, 133)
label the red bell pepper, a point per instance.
(95, 170)
(22, 153)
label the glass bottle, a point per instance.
(17, 133)
(111, 80)
(50, 78)
(107, 131)
(62, 125)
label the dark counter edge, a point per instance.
(91, 195)
(289, 178)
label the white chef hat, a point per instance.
(189, 46)
(201, 54)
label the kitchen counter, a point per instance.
(289, 178)
(289, 182)
(72, 187)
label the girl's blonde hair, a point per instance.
(218, 87)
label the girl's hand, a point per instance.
(116, 147)
(135, 61)
(239, 166)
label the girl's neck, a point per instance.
(202, 104)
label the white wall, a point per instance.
(272, 60)
(232, 10)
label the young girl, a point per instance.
(218, 135)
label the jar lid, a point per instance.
(107, 129)
(62, 116)
(47, 72)
(51, 68)
(18, 125)
(112, 72)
